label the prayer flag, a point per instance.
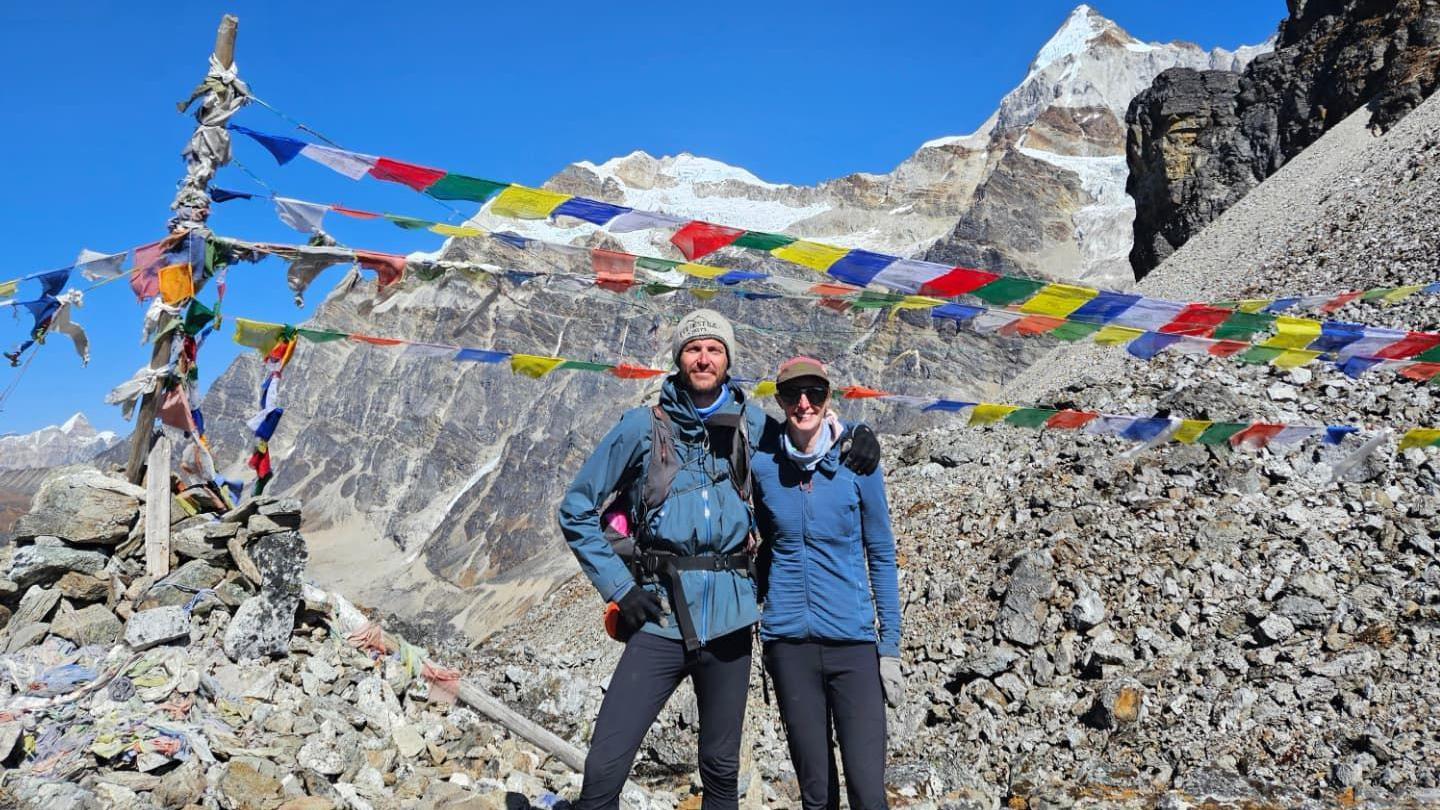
(534, 366)
(813, 255)
(321, 336)
(858, 267)
(1219, 433)
(352, 212)
(737, 276)
(1005, 291)
(642, 221)
(481, 356)
(1409, 346)
(1356, 366)
(1116, 335)
(1293, 333)
(520, 202)
(1335, 304)
(1335, 434)
(460, 187)
(1033, 325)
(8, 288)
(860, 392)
(258, 335)
(1227, 348)
(1104, 308)
(699, 239)
(1401, 293)
(908, 275)
(765, 388)
(702, 270)
(613, 271)
(1030, 417)
(957, 281)
(145, 278)
(97, 266)
(176, 283)
(1070, 420)
(351, 164)
(1071, 331)
(1294, 358)
(220, 195)
(626, 371)
(1292, 434)
(1419, 437)
(1191, 429)
(1149, 314)
(582, 365)
(1256, 436)
(987, 413)
(1373, 342)
(388, 268)
(1149, 344)
(281, 148)
(409, 223)
(760, 240)
(956, 312)
(1242, 326)
(456, 230)
(1144, 430)
(377, 341)
(592, 211)
(1059, 300)
(416, 177)
(1197, 320)
(1336, 335)
(305, 217)
(53, 282)
(949, 405)
(1421, 372)
(994, 320)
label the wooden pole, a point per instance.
(157, 511)
(145, 421)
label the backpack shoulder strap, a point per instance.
(661, 464)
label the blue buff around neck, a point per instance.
(724, 397)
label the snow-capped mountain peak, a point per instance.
(73, 441)
(639, 169)
(1082, 26)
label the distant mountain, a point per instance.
(75, 440)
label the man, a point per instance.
(687, 605)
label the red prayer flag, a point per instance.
(698, 238)
(625, 371)
(613, 271)
(351, 212)
(145, 279)
(389, 267)
(377, 341)
(260, 463)
(838, 304)
(861, 392)
(1409, 346)
(959, 281)
(1421, 372)
(1228, 348)
(416, 177)
(1070, 420)
(1256, 436)
(1334, 304)
(1032, 325)
(1197, 320)
(830, 290)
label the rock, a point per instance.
(36, 605)
(407, 741)
(243, 787)
(307, 803)
(246, 566)
(147, 628)
(261, 627)
(180, 586)
(92, 624)
(79, 587)
(83, 506)
(1276, 628)
(322, 757)
(1120, 703)
(280, 560)
(197, 543)
(1025, 605)
(181, 786)
(1303, 611)
(47, 563)
(1087, 611)
(989, 662)
(25, 635)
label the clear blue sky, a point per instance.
(793, 91)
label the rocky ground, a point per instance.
(225, 684)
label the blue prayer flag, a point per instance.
(858, 267)
(53, 282)
(950, 405)
(1334, 434)
(737, 276)
(283, 149)
(1281, 304)
(1356, 366)
(1150, 344)
(1143, 430)
(959, 313)
(1336, 335)
(221, 195)
(1104, 308)
(592, 211)
(482, 356)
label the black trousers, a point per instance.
(649, 671)
(826, 688)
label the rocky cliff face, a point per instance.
(1198, 142)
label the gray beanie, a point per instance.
(704, 323)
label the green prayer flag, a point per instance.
(197, 317)
(760, 240)
(1260, 355)
(875, 300)
(1220, 433)
(1005, 291)
(1430, 356)
(1371, 295)
(659, 289)
(460, 187)
(1074, 330)
(658, 265)
(321, 336)
(1030, 417)
(425, 271)
(581, 365)
(1243, 325)
(409, 223)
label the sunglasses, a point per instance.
(790, 396)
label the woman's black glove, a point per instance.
(863, 454)
(639, 606)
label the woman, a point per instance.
(829, 575)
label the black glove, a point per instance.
(638, 606)
(863, 454)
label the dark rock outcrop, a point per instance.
(1200, 140)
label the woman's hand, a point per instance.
(892, 680)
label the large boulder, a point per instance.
(47, 563)
(92, 624)
(148, 628)
(83, 506)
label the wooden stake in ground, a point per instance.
(157, 510)
(140, 440)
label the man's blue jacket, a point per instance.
(832, 567)
(702, 515)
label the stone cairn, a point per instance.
(229, 683)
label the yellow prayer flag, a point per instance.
(1401, 293)
(176, 283)
(534, 366)
(1253, 305)
(1058, 300)
(258, 335)
(8, 288)
(1293, 333)
(1419, 437)
(702, 293)
(526, 203)
(987, 413)
(918, 302)
(455, 230)
(1117, 335)
(1190, 430)
(702, 270)
(1294, 358)
(810, 254)
(766, 388)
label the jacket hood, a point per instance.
(675, 399)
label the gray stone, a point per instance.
(36, 605)
(181, 585)
(82, 506)
(1025, 605)
(1276, 628)
(261, 627)
(37, 563)
(1087, 611)
(195, 543)
(1303, 611)
(161, 625)
(280, 560)
(989, 662)
(78, 587)
(92, 624)
(1121, 703)
(25, 635)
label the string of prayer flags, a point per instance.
(696, 238)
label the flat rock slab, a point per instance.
(261, 627)
(47, 563)
(84, 506)
(148, 628)
(92, 624)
